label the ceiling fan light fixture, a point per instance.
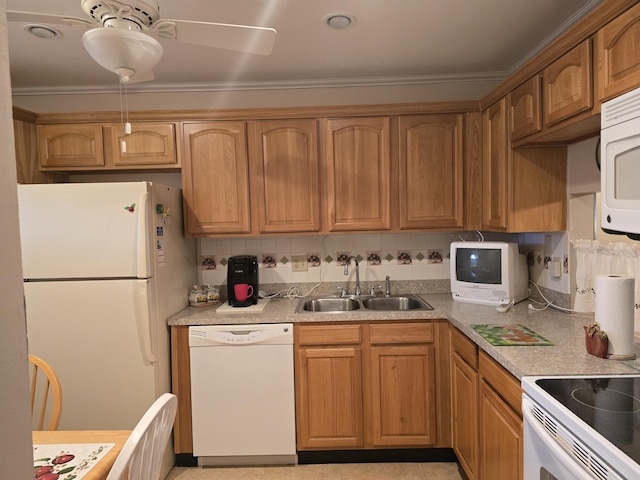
(116, 49)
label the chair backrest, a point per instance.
(141, 455)
(46, 395)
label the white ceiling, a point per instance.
(392, 41)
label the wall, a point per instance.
(16, 455)
(583, 180)
(406, 256)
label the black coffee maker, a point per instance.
(242, 269)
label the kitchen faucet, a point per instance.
(387, 286)
(346, 272)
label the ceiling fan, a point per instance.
(121, 36)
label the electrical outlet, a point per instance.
(299, 263)
(556, 268)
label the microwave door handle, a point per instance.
(553, 448)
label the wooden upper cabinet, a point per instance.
(95, 147)
(431, 171)
(70, 145)
(357, 169)
(618, 55)
(215, 178)
(537, 189)
(26, 145)
(147, 144)
(523, 189)
(285, 175)
(525, 109)
(567, 84)
(495, 163)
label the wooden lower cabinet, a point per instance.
(464, 412)
(372, 385)
(403, 382)
(181, 387)
(486, 414)
(501, 437)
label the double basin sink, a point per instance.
(393, 303)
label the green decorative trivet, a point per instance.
(510, 335)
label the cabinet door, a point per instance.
(404, 401)
(26, 145)
(501, 438)
(464, 399)
(525, 104)
(357, 168)
(329, 397)
(618, 55)
(402, 373)
(538, 189)
(284, 166)
(148, 144)
(495, 163)
(70, 145)
(567, 84)
(431, 171)
(215, 178)
(181, 387)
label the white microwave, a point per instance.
(620, 164)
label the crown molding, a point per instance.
(576, 17)
(272, 85)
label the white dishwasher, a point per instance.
(242, 394)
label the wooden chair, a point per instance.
(47, 391)
(141, 455)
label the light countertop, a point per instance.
(567, 356)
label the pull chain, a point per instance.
(124, 115)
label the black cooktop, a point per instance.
(611, 406)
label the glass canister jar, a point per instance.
(198, 295)
(213, 294)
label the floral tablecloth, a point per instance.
(67, 461)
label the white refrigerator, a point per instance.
(105, 265)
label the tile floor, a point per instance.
(344, 471)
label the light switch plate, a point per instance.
(299, 263)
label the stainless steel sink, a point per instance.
(396, 303)
(348, 304)
(328, 305)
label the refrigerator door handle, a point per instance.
(143, 320)
(143, 250)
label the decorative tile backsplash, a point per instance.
(407, 256)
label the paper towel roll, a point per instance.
(614, 313)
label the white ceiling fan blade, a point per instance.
(242, 38)
(32, 17)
